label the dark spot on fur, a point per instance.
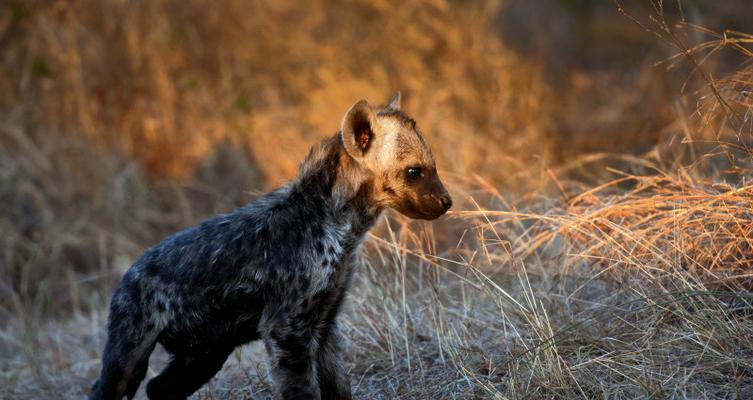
(152, 269)
(321, 295)
(320, 247)
(390, 191)
(316, 231)
(136, 291)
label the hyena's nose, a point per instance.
(446, 201)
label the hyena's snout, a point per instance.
(446, 201)
(438, 200)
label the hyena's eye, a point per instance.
(414, 172)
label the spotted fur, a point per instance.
(275, 270)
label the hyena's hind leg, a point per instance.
(186, 374)
(126, 357)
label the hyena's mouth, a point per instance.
(435, 209)
(439, 205)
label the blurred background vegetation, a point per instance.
(124, 121)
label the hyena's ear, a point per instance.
(395, 101)
(358, 129)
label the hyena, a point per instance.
(276, 269)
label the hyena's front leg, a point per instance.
(333, 380)
(293, 354)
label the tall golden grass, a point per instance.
(600, 246)
(165, 80)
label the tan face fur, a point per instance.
(386, 142)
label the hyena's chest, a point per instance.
(329, 261)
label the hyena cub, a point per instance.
(276, 269)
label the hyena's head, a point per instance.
(387, 143)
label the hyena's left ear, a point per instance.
(395, 101)
(358, 129)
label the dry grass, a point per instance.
(637, 294)
(560, 273)
(179, 76)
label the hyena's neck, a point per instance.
(343, 187)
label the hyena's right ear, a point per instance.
(358, 129)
